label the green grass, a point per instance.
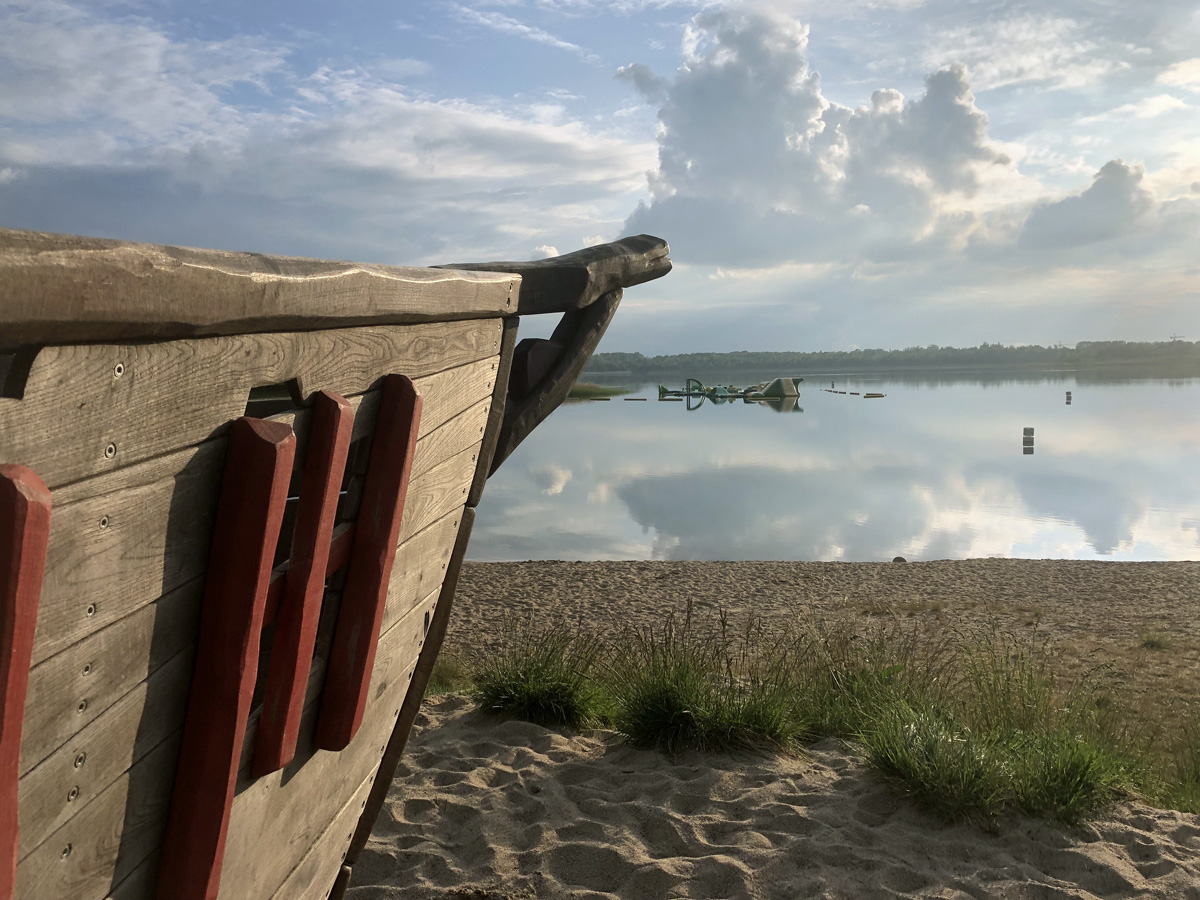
(1156, 640)
(543, 677)
(586, 390)
(972, 726)
(677, 689)
(451, 674)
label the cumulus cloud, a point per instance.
(757, 166)
(1110, 208)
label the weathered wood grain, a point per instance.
(277, 819)
(369, 572)
(249, 512)
(75, 774)
(443, 488)
(296, 622)
(79, 418)
(314, 877)
(24, 534)
(77, 289)
(576, 280)
(579, 332)
(463, 431)
(416, 691)
(69, 691)
(104, 844)
(496, 414)
(145, 530)
(153, 710)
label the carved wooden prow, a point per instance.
(585, 286)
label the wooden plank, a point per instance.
(422, 562)
(495, 421)
(72, 777)
(369, 572)
(24, 534)
(70, 690)
(276, 819)
(579, 332)
(442, 489)
(314, 877)
(154, 709)
(113, 554)
(461, 432)
(105, 843)
(145, 530)
(67, 288)
(338, 891)
(78, 418)
(296, 624)
(249, 512)
(576, 280)
(416, 692)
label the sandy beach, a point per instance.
(486, 810)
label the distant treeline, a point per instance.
(1176, 355)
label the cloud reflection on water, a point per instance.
(933, 471)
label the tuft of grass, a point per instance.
(451, 674)
(675, 689)
(586, 390)
(945, 767)
(974, 726)
(1156, 640)
(542, 676)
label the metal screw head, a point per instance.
(80, 760)
(65, 852)
(91, 610)
(72, 795)
(81, 707)
(87, 669)
(118, 370)
(110, 451)
(104, 521)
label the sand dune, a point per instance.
(487, 810)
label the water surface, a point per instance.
(937, 469)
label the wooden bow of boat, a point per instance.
(218, 615)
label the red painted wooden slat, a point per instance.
(296, 624)
(249, 513)
(339, 555)
(24, 534)
(352, 656)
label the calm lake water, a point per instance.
(935, 470)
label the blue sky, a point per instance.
(882, 173)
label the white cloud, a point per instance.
(1053, 51)
(503, 24)
(757, 167)
(1149, 108)
(1182, 74)
(1110, 208)
(146, 144)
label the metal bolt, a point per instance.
(66, 852)
(91, 610)
(118, 370)
(110, 451)
(87, 669)
(80, 760)
(72, 794)
(104, 521)
(81, 707)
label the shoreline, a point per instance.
(1092, 612)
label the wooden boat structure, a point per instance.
(235, 492)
